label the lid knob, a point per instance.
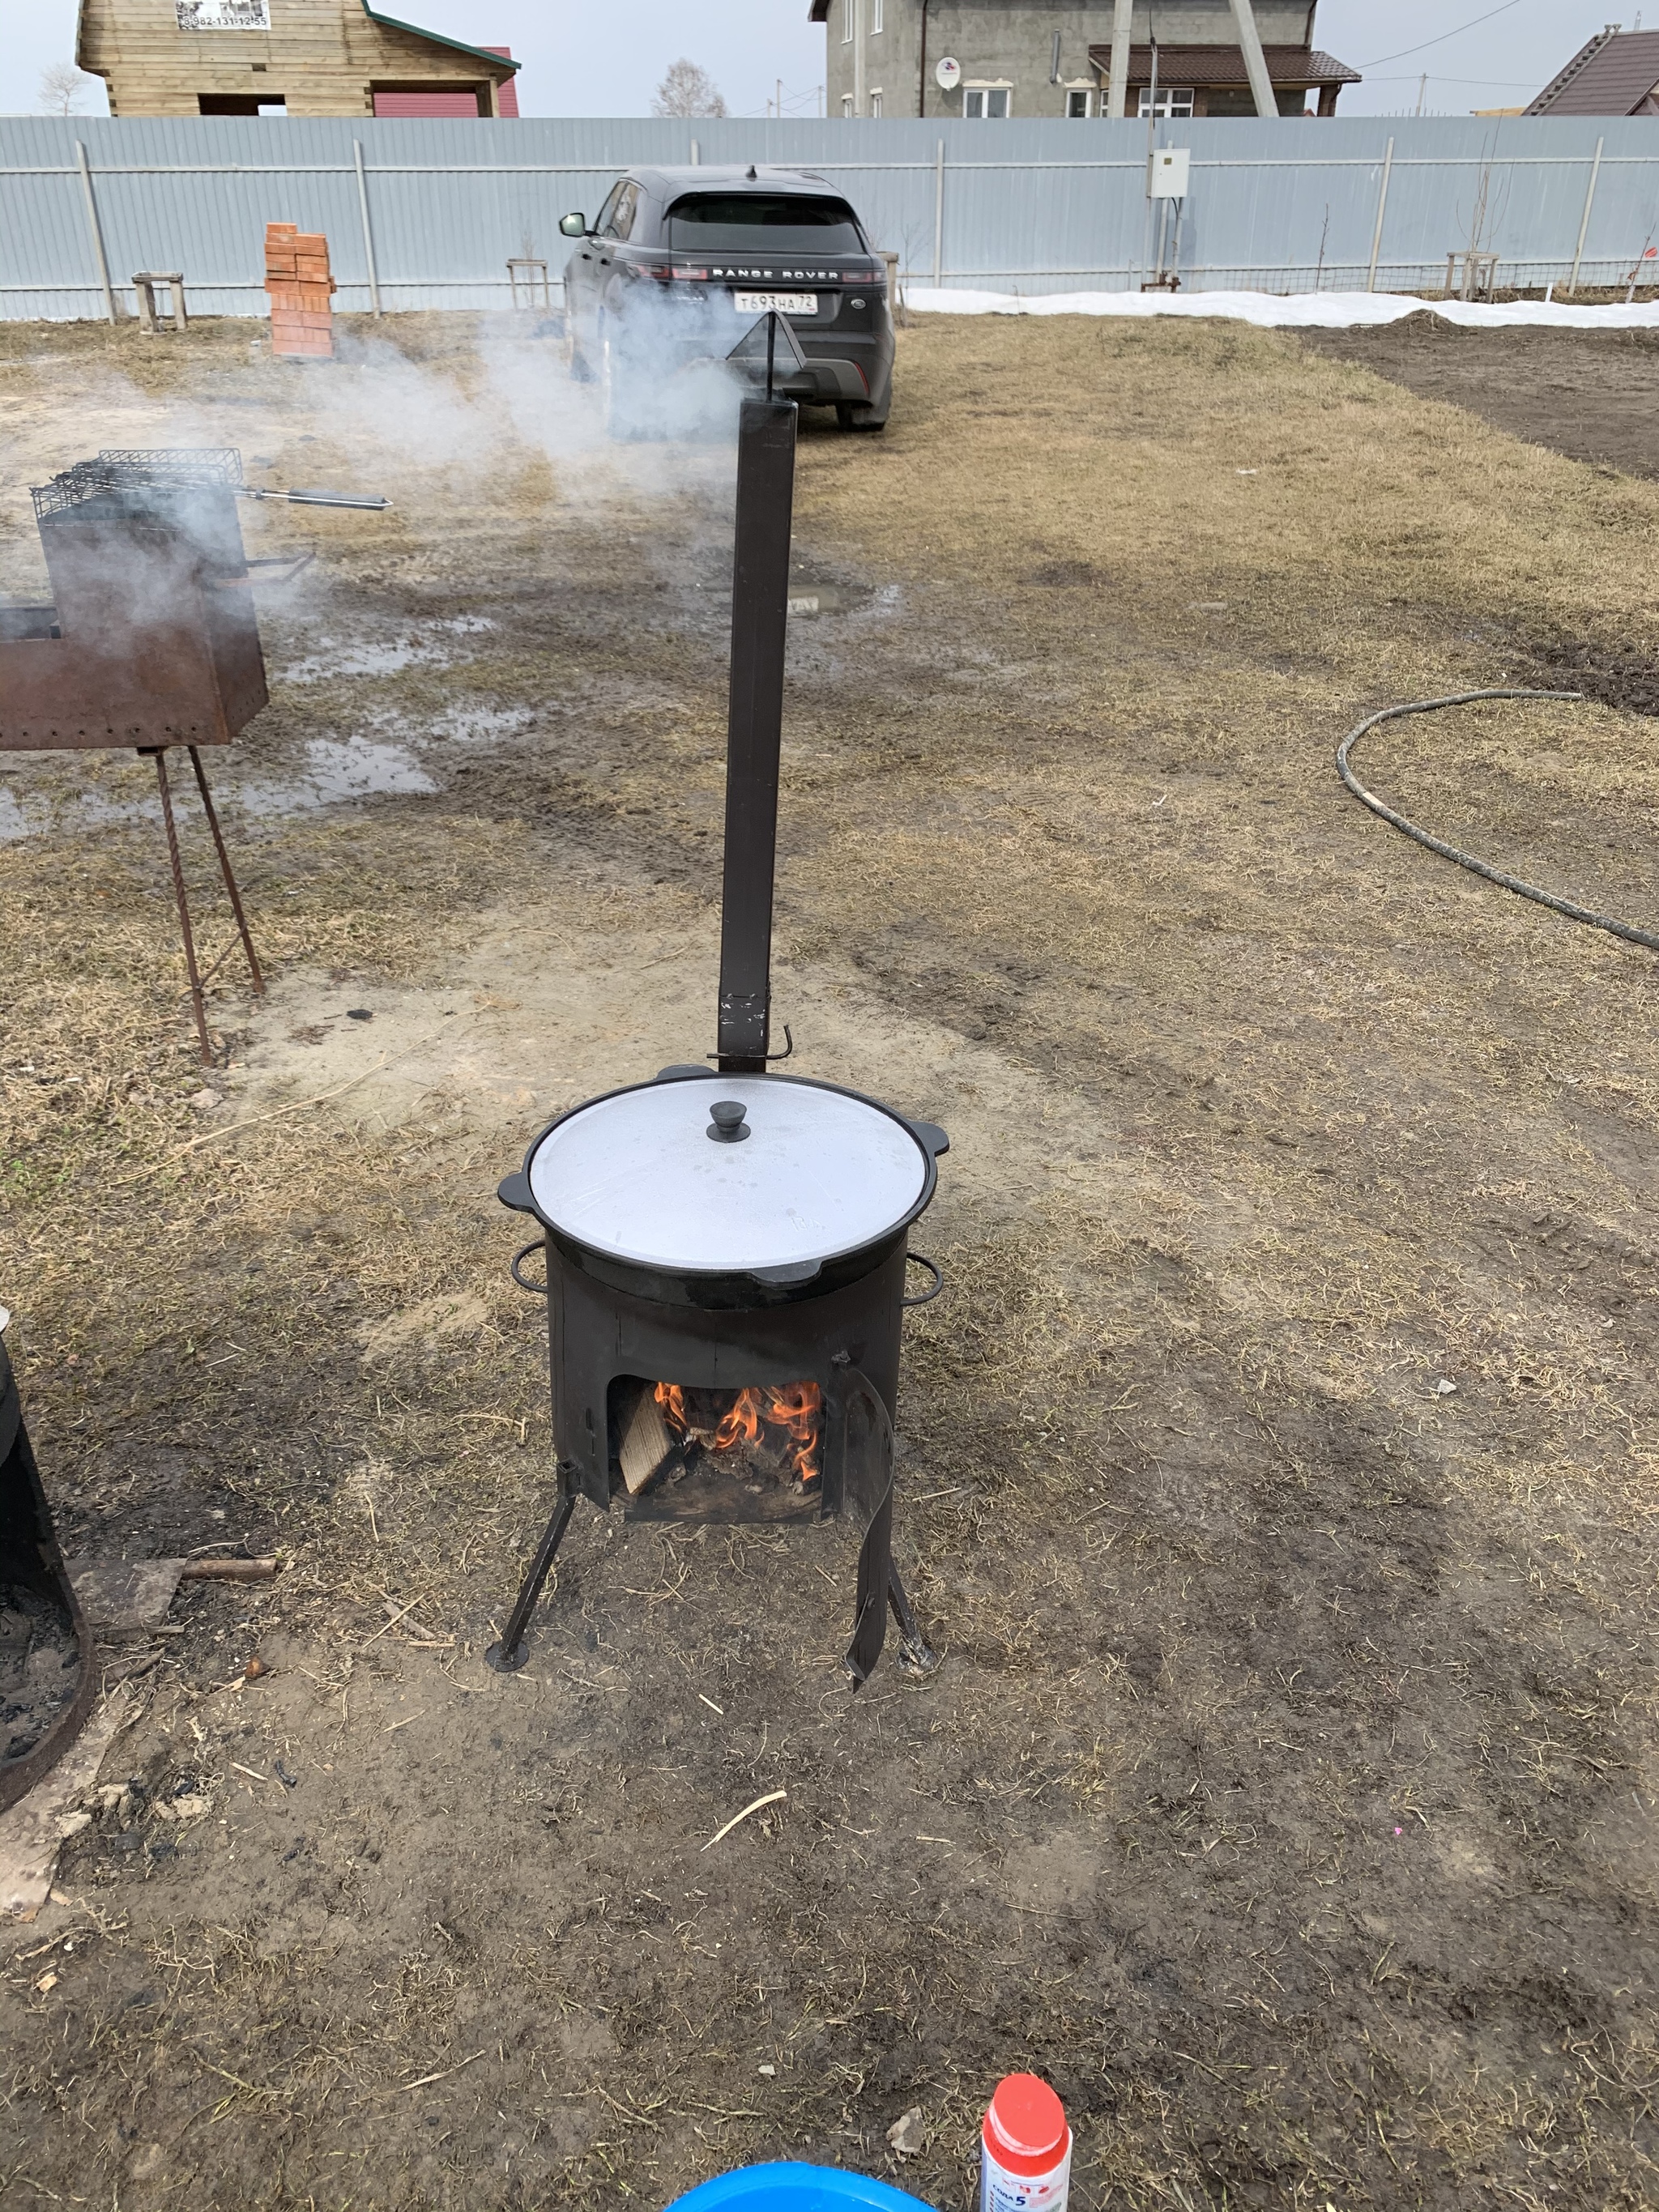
(726, 1122)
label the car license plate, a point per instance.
(783, 303)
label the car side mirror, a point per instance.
(573, 226)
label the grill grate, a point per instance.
(174, 466)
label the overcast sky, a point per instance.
(576, 63)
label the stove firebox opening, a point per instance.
(680, 1451)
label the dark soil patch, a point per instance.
(1592, 395)
(1630, 681)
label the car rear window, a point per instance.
(753, 222)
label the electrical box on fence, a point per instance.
(1166, 172)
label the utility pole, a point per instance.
(1255, 65)
(1117, 93)
(1422, 91)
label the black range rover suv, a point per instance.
(679, 263)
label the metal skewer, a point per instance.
(314, 498)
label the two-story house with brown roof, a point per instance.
(985, 59)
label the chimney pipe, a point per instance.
(760, 611)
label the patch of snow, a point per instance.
(1294, 311)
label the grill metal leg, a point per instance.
(197, 998)
(916, 1656)
(224, 857)
(510, 1653)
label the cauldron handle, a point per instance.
(535, 1290)
(927, 1298)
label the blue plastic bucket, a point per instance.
(786, 2186)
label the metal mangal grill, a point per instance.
(112, 471)
(151, 639)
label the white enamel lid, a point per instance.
(637, 1175)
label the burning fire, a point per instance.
(791, 1407)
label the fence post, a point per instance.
(696, 155)
(939, 216)
(98, 253)
(369, 234)
(1381, 210)
(1584, 220)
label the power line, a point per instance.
(1442, 37)
(1498, 83)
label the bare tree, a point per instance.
(63, 87)
(688, 90)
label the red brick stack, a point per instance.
(300, 287)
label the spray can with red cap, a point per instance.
(1026, 2148)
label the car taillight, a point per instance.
(689, 276)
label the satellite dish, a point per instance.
(949, 74)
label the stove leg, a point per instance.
(916, 1656)
(510, 1653)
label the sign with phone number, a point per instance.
(222, 14)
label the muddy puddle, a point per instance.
(333, 770)
(431, 646)
(111, 791)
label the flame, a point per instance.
(742, 1426)
(794, 1407)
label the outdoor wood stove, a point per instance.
(726, 1254)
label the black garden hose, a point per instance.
(1625, 929)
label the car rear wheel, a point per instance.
(859, 419)
(623, 393)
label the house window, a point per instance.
(1077, 103)
(875, 103)
(985, 102)
(847, 107)
(1173, 100)
(875, 15)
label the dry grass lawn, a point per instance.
(1287, 1796)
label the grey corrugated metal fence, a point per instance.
(428, 213)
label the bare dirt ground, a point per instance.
(1280, 1465)
(1592, 394)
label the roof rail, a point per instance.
(1558, 83)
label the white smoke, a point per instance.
(452, 425)
(655, 427)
